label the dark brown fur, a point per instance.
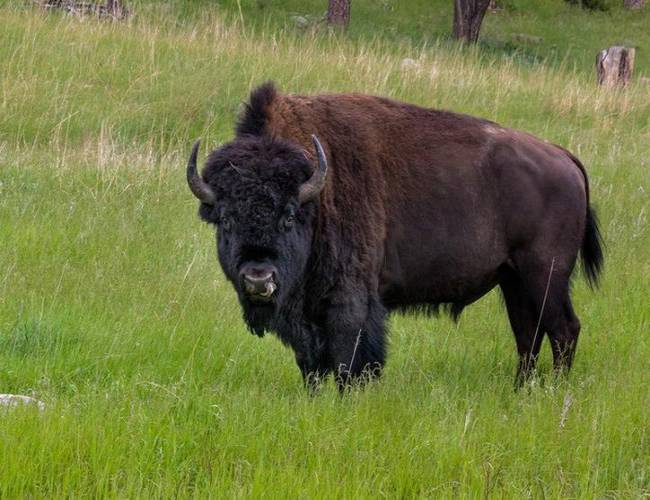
(421, 208)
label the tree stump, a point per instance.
(614, 66)
(633, 4)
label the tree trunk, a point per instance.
(614, 66)
(338, 13)
(468, 16)
(633, 4)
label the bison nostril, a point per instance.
(249, 285)
(259, 285)
(269, 288)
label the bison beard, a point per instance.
(392, 206)
(259, 318)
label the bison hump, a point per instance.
(255, 115)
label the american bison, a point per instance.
(394, 206)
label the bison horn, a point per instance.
(199, 187)
(312, 188)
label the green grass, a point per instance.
(558, 33)
(114, 312)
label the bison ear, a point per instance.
(198, 186)
(311, 189)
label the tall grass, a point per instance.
(554, 31)
(114, 312)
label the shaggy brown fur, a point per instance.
(421, 208)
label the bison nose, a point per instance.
(258, 282)
(259, 285)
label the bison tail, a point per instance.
(592, 251)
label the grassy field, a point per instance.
(554, 32)
(113, 310)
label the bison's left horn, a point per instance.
(312, 188)
(199, 187)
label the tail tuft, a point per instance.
(592, 251)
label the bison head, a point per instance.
(259, 193)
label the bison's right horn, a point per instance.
(199, 187)
(312, 188)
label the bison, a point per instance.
(394, 207)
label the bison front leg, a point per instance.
(356, 346)
(310, 359)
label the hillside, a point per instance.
(554, 32)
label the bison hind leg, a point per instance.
(523, 320)
(538, 303)
(564, 337)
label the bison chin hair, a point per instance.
(258, 317)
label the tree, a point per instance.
(338, 13)
(468, 16)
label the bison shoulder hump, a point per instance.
(255, 115)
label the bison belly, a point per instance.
(446, 253)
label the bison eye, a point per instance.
(225, 223)
(288, 221)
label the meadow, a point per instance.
(114, 312)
